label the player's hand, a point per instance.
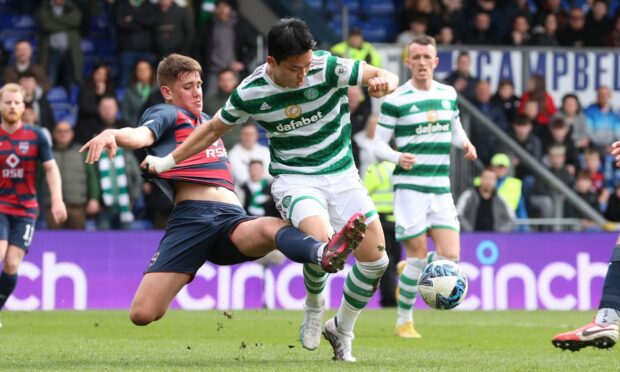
(156, 165)
(92, 207)
(470, 151)
(406, 160)
(615, 151)
(104, 141)
(59, 211)
(378, 87)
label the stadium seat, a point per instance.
(88, 48)
(314, 4)
(57, 95)
(21, 22)
(10, 37)
(63, 111)
(335, 7)
(120, 94)
(379, 29)
(336, 23)
(378, 7)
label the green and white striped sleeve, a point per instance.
(232, 113)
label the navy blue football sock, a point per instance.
(298, 246)
(7, 285)
(611, 289)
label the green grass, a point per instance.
(267, 340)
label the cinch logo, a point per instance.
(294, 124)
(432, 128)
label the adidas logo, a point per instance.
(265, 106)
(414, 108)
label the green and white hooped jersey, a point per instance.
(309, 128)
(423, 123)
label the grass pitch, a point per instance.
(267, 340)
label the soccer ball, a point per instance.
(442, 284)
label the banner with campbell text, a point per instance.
(101, 270)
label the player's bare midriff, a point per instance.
(195, 191)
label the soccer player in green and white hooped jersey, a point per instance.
(424, 117)
(300, 97)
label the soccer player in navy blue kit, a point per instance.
(22, 147)
(207, 222)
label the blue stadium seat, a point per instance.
(378, 7)
(335, 7)
(106, 47)
(314, 4)
(21, 22)
(88, 48)
(379, 29)
(10, 37)
(57, 95)
(120, 94)
(63, 111)
(336, 23)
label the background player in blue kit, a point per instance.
(207, 222)
(22, 147)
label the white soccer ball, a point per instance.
(442, 284)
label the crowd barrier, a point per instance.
(101, 270)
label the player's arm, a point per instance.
(380, 82)
(52, 175)
(200, 139)
(383, 136)
(460, 139)
(110, 139)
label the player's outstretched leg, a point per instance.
(334, 257)
(602, 332)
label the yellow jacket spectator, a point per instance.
(354, 47)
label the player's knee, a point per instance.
(11, 266)
(141, 316)
(375, 268)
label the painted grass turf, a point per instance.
(267, 340)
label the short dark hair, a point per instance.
(289, 37)
(256, 161)
(522, 120)
(424, 40)
(173, 66)
(26, 74)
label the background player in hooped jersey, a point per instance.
(22, 147)
(207, 222)
(424, 117)
(300, 98)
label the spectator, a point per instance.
(520, 33)
(121, 184)
(91, 91)
(257, 199)
(378, 182)
(583, 188)
(247, 149)
(461, 78)
(613, 38)
(35, 98)
(359, 108)
(484, 140)
(80, 191)
(226, 41)
(592, 159)
(573, 117)
(522, 133)
(445, 36)
(546, 34)
(138, 92)
(59, 46)
(363, 142)
(612, 213)
(509, 188)
(559, 136)
(4, 59)
(355, 47)
(227, 81)
(507, 100)
(537, 91)
(417, 27)
(553, 7)
(481, 209)
(603, 124)
(23, 63)
(453, 17)
(481, 33)
(428, 12)
(174, 30)
(107, 117)
(575, 33)
(541, 200)
(135, 22)
(598, 24)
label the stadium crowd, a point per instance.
(91, 67)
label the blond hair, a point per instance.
(13, 88)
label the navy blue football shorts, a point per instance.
(199, 231)
(18, 230)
